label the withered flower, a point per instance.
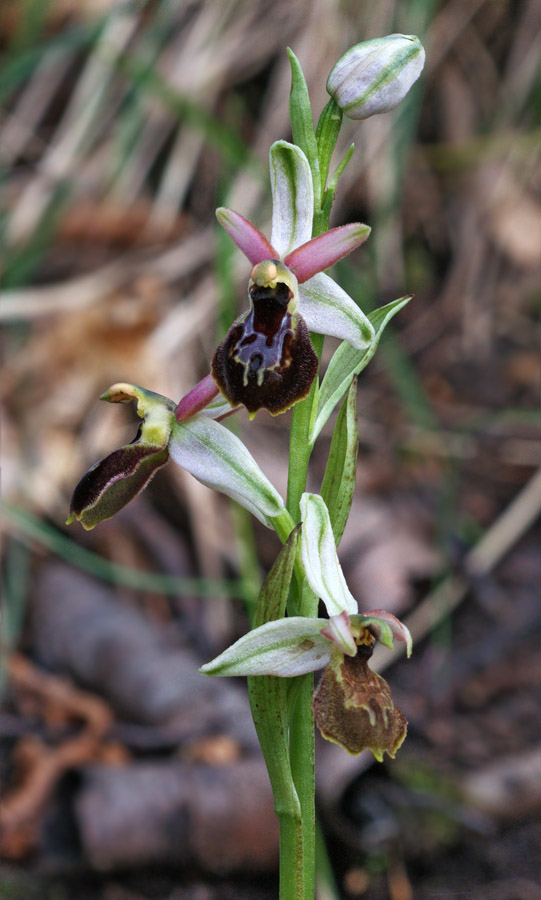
(201, 445)
(353, 706)
(115, 480)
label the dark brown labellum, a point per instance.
(266, 359)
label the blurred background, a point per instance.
(124, 774)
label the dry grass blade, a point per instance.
(493, 546)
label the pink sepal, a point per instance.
(229, 412)
(338, 630)
(253, 244)
(196, 399)
(400, 631)
(324, 251)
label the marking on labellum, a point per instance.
(266, 359)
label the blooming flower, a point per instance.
(266, 359)
(352, 705)
(202, 446)
(374, 76)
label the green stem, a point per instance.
(302, 760)
(269, 704)
(301, 724)
(268, 701)
(291, 857)
(299, 444)
(297, 862)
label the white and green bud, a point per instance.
(374, 76)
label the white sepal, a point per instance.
(220, 460)
(285, 647)
(292, 197)
(319, 557)
(327, 309)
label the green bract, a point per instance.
(348, 362)
(338, 484)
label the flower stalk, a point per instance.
(302, 746)
(270, 359)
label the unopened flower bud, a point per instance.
(373, 77)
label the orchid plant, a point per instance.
(270, 359)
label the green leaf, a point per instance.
(302, 122)
(338, 484)
(333, 181)
(275, 589)
(32, 530)
(268, 695)
(347, 362)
